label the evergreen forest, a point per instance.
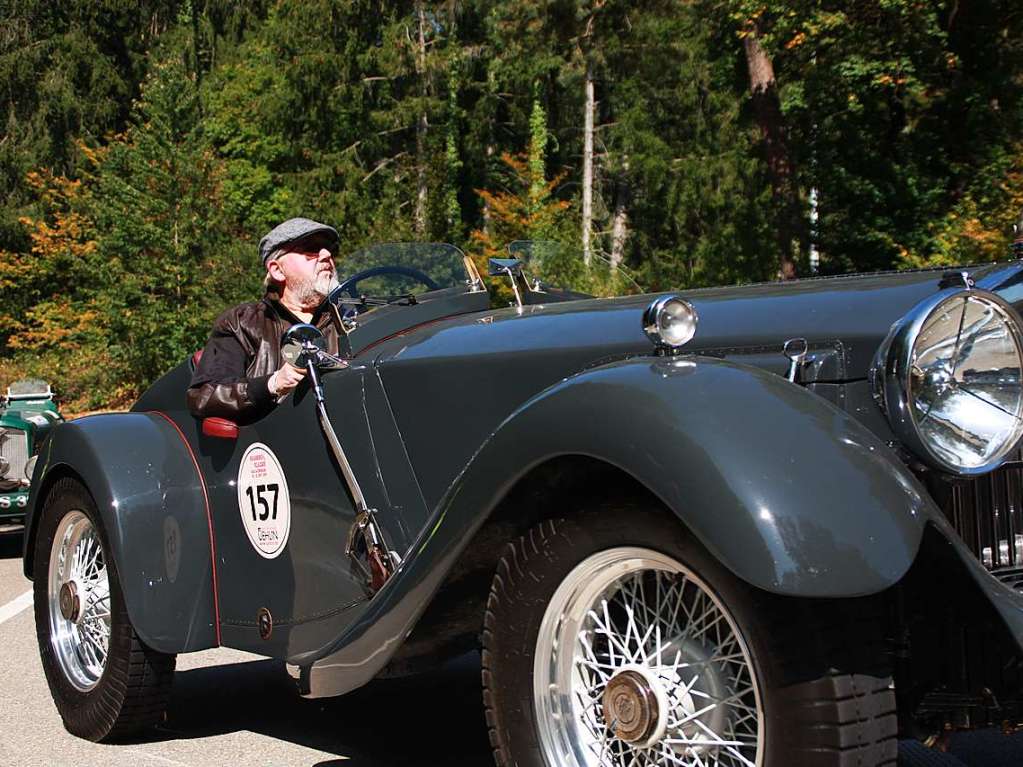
(147, 146)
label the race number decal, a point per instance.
(263, 500)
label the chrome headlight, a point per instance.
(670, 323)
(948, 376)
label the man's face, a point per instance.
(306, 269)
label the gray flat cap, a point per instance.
(294, 229)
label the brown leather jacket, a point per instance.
(242, 353)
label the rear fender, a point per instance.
(789, 492)
(153, 508)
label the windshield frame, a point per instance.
(365, 323)
(429, 265)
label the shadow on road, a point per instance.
(421, 721)
(10, 546)
(428, 720)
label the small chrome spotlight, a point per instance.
(670, 323)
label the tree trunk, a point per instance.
(589, 109)
(620, 221)
(195, 49)
(422, 123)
(487, 215)
(790, 227)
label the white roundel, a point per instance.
(263, 500)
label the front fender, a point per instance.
(789, 492)
(152, 505)
(792, 494)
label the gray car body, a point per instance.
(792, 487)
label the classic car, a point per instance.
(27, 413)
(775, 525)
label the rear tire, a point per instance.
(809, 679)
(106, 683)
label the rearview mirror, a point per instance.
(298, 341)
(513, 268)
(501, 266)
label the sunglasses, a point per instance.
(311, 248)
(309, 253)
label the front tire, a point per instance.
(613, 639)
(105, 682)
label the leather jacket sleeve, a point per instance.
(244, 350)
(220, 386)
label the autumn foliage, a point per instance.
(147, 147)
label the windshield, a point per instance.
(29, 387)
(399, 268)
(545, 260)
(561, 266)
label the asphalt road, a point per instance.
(231, 708)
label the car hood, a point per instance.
(451, 383)
(844, 319)
(15, 419)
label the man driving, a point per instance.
(241, 374)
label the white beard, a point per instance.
(310, 293)
(324, 282)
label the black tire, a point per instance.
(821, 667)
(132, 692)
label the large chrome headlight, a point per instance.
(948, 378)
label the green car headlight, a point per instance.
(948, 376)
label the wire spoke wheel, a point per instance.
(639, 663)
(105, 681)
(78, 591)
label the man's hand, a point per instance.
(285, 379)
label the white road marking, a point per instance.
(15, 606)
(157, 758)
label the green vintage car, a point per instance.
(27, 413)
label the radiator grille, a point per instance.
(987, 512)
(14, 450)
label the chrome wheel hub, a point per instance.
(70, 604)
(78, 591)
(635, 706)
(639, 664)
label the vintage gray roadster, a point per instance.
(775, 525)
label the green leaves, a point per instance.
(146, 148)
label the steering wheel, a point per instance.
(349, 285)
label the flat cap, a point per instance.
(294, 229)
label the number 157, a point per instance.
(257, 497)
